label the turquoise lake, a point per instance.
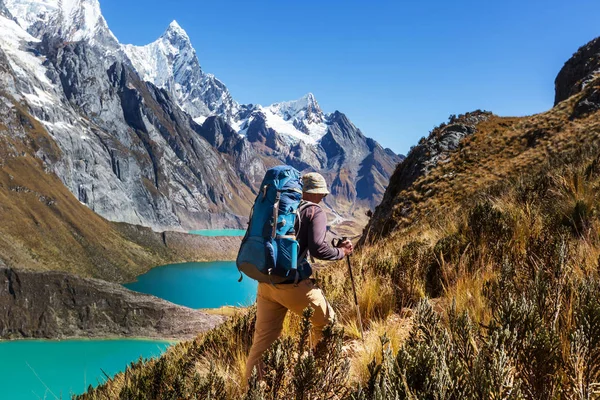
(38, 369)
(198, 285)
(68, 367)
(219, 232)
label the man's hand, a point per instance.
(347, 247)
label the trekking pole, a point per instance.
(362, 333)
(360, 325)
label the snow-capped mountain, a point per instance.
(127, 149)
(298, 120)
(123, 119)
(71, 20)
(171, 63)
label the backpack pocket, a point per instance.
(253, 254)
(287, 256)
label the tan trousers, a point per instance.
(272, 304)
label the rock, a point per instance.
(578, 71)
(247, 160)
(58, 305)
(588, 104)
(149, 165)
(259, 132)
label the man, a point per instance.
(273, 301)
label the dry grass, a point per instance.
(467, 295)
(227, 311)
(395, 328)
(504, 236)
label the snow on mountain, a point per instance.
(72, 20)
(296, 120)
(32, 83)
(158, 62)
(27, 13)
(171, 63)
(305, 109)
(303, 114)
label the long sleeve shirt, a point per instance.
(312, 229)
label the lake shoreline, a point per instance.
(198, 285)
(224, 311)
(56, 305)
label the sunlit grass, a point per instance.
(489, 284)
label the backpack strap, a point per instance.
(303, 205)
(244, 239)
(275, 213)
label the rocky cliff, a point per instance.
(58, 305)
(578, 71)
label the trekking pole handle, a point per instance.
(337, 242)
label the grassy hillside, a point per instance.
(479, 280)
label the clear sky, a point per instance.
(396, 68)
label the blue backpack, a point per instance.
(269, 250)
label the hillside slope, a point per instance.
(496, 149)
(494, 219)
(44, 227)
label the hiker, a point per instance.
(273, 301)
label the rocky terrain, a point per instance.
(431, 151)
(578, 71)
(58, 305)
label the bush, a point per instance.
(488, 227)
(408, 275)
(543, 343)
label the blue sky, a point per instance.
(396, 68)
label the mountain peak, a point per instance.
(306, 105)
(309, 98)
(307, 101)
(175, 32)
(174, 25)
(73, 20)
